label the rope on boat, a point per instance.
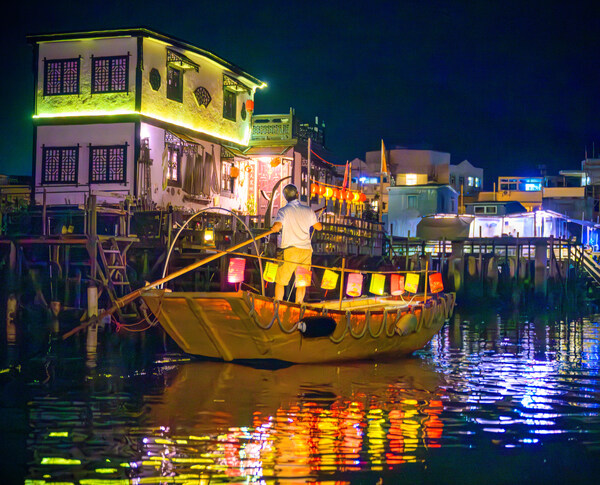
(390, 330)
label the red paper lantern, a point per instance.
(235, 273)
(322, 190)
(397, 284)
(354, 285)
(435, 282)
(249, 105)
(349, 195)
(336, 193)
(363, 197)
(314, 189)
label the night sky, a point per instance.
(507, 85)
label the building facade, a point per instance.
(137, 114)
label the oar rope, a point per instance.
(126, 299)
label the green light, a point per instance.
(106, 470)
(59, 434)
(60, 461)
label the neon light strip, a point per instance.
(244, 141)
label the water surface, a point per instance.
(493, 399)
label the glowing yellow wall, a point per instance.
(189, 114)
(86, 103)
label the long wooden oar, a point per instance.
(124, 300)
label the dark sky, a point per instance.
(508, 85)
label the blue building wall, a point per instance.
(409, 203)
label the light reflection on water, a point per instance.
(491, 400)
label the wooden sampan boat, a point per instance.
(245, 326)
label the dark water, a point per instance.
(493, 399)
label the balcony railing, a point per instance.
(269, 128)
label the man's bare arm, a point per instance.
(276, 226)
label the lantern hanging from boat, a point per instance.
(270, 271)
(235, 273)
(328, 192)
(330, 279)
(354, 285)
(303, 276)
(377, 284)
(209, 235)
(412, 282)
(435, 282)
(397, 284)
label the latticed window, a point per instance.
(108, 164)
(174, 154)
(110, 74)
(175, 84)
(229, 104)
(61, 76)
(59, 165)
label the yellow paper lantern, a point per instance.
(377, 284)
(330, 279)
(209, 235)
(356, 198)
(412, 282)
(270, 271)
(328, 192)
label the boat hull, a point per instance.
(243, 326)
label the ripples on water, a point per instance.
(490, 400)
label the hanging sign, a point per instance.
(377, 284)
(397, 284)
(412, 282)
(270, 271)
(354, 286)
(435, 282)
(330, 279)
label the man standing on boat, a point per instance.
(294, 220)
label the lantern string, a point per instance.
(323, 160)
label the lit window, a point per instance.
(411, 179)
(477, 182)
(175, 84)
(470, 181)
(174, 165)
(61, 76)
(110, 74)
(108, 164)
(59, 165)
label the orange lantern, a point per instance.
(354, 285)
(235, 272)
(336, 193)
(363, 197)
(303, 276)
(330, 279)
(349, 195)
(314, 189)
(397, 284)
(435, 282)
(275, 162)
(249, 105)
(322, 190)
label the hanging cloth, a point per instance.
(198, 174)
(207, 174)
(165, 167)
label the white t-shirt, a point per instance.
(296, 219)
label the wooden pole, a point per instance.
(342, 281)
(126, 299)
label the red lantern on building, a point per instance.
(250, 105)
(336, 193)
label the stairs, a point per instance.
(589, 265)
(113, 272)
